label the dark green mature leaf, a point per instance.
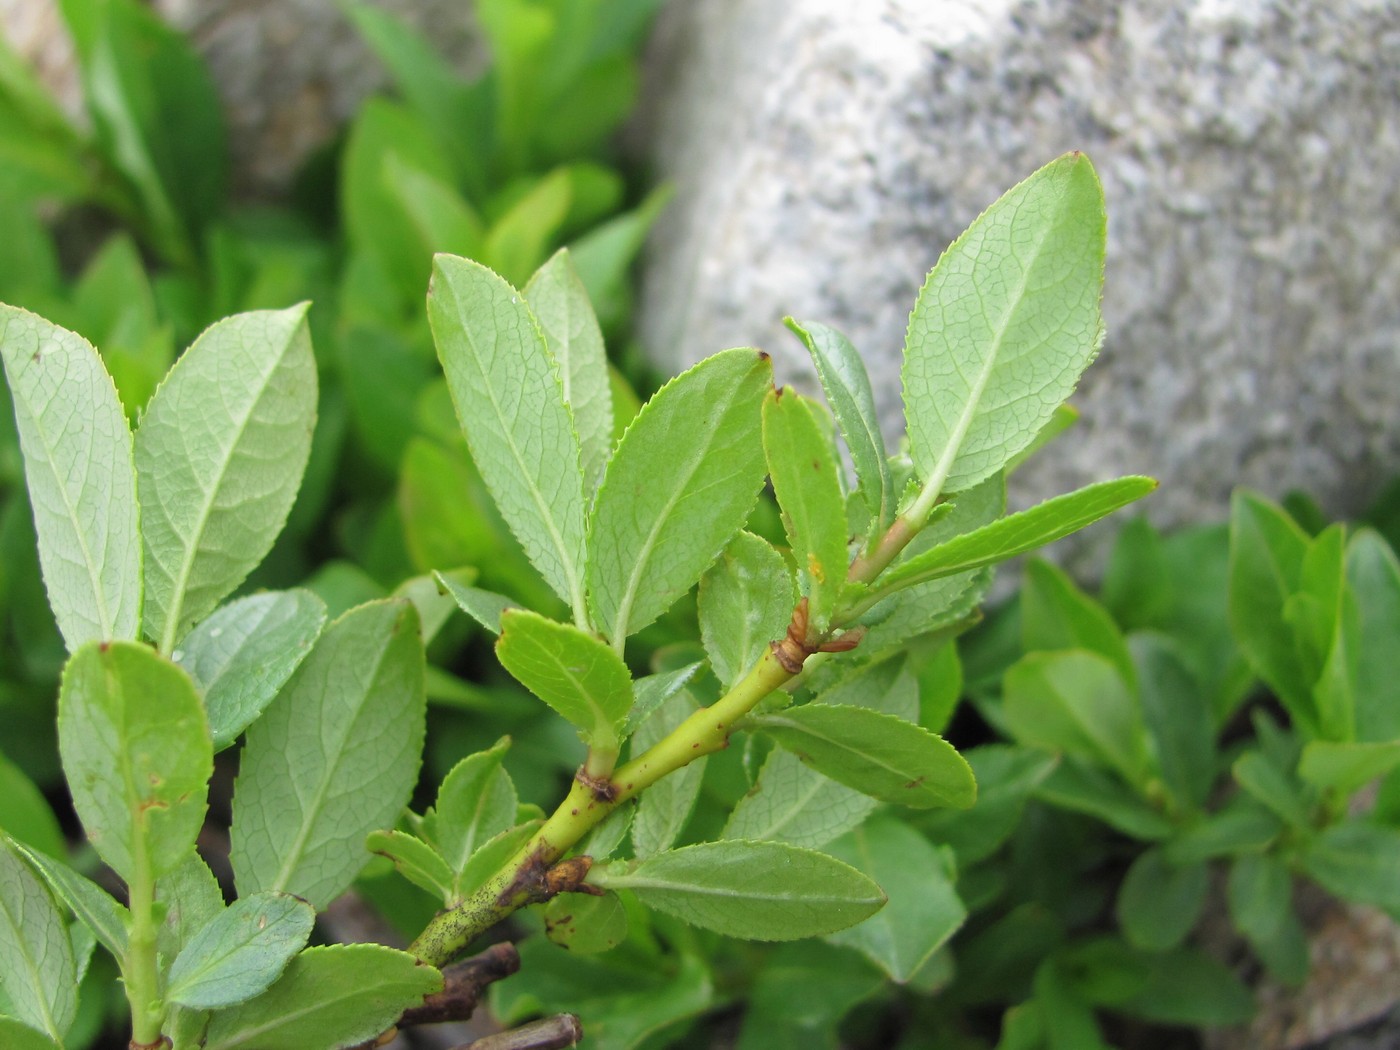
(1359, 863)
(25, 815)
(334, 757)
(560, 303)
(878, 754)
(923, 909)
(241, 952)
(1159, 902)
(1004, 325)
(1260, 895)
(38, 979)
(332, 996)
(1276, 788)
(1267, 550)
(1083, 788)
(82, 482)
(1075, 701)
(1373, 580)
(94, 906)
(759, 891)
(1176, 712)
(746, 601)
(802, 469)
(1187, 987)
(219, 458)
(847, 387)
(245, 652)
(1006, 776)
(137, 754)
(475, 803)
(1057, 614)
(664, 807)
(1243, 825)
(1018, 533)
(16, 1035)
(571, 670)
(791, 802)
(510, 400)
(678, 488)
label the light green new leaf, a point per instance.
(136, 753)
(664, 807)
(509, 398)
(334, 757)
(570, 670)
(923, 910)
(1075, 701)
(1056, 614)
(791, 802)
(584, 924)
(746, 601)
(560, 303)
(761, 891)
(875, 753)
(95, 907)
(678, 488)
(16, 1035)
(191, 898)
(415, 860)
(241, 952)
(245, 652)
(219, 458)
(1347, 767)
(38, 978)
(493, 853)
(475, 803)
(1004, 325)
(485, 607)
(1018, 533)
(653, 690)
(334, 996)
(82, 482)
(1159, 902)
(847, 387)
(519, 240)
(803, 473)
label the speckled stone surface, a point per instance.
(824, 153)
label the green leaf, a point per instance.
(1187, 987)
(82, 484)
(94, 906)
(1260, 895)
(241, 952)
(415, 860)
(847, 387)
(485, 607)
(245, 652)
(1347, 767)
(746, 601)
(1018, 533)
(1076, 786)
(803, 473)
(1176, 712)
(560, 303)
(38, 978)
(440, 217)
(1274, 787)
(332, 996)
(664, 807)
(793, 803)
(1266, 563)
(570, 670)
(219, 457)
(1359, 863)
(678, 488)
(25, 814)
(491, 855)
(884, 685)
(760, 891)
(923, 909)
(1004, 325)
(334, 757)
(1075, 701)
(878, 754)
(16, 1035)
(137, 754)
(191, 898)
(653, 690)
(509, 398)
(1373, 580)
(1159, 902)
(1006, 776)
(1056, 614)
(519, 240)
(1243, 825)
(475, 803)
(584, 924)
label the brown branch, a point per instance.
(552, 1033)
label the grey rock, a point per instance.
(825, 152)
(289, 72)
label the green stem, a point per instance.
(140, 968)
(523, 880)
